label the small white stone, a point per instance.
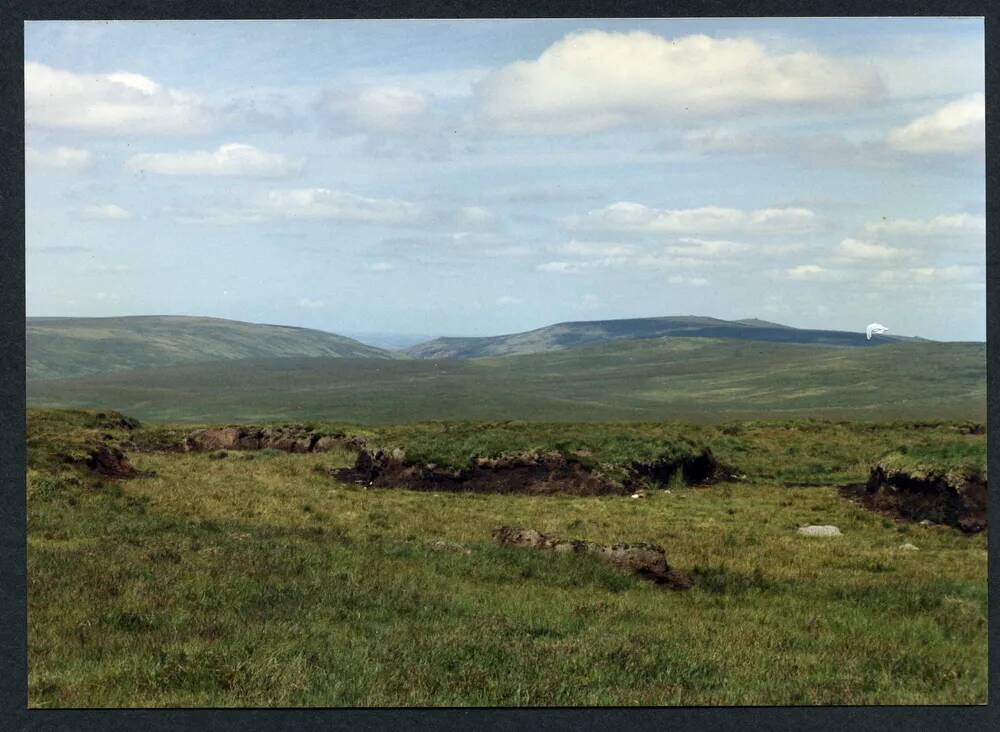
(819, 531)
(909, 547)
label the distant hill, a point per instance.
(689, 379)
(67, 347)
(584, 333)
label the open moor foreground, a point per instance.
(257, 578)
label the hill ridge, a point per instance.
(574, 334)
(64, 347)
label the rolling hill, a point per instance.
(583, 333)
(67, 347)
(696, 379)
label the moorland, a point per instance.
(317, 529)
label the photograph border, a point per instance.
(13, 558)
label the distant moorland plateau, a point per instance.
(691, 368)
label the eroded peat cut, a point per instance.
(534, 473)
(955, 498)
(695, 469)
(539, 474)
(110, 462)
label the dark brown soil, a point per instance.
(941, 499)
(290, 439)
(702, 468)
(547, 473)
(110, 462)
(647, 561)
(539, 474)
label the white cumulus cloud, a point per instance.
(957, 127)
(636, 218)
(384, 108)
(596, 80)
(67, 158)
(104, 212)
(560, 267)
(953, 274)
(689, 281)
(476, 216)
(808, 272)
(707, 248)
(943, 225)
(865, 250)
(118, 103)
(596, 249)
(323, 203)
(232, 159)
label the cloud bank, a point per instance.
(596, 80)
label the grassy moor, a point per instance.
(694, 379)
(269, 577)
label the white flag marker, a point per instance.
(875, 329)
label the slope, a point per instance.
(68, 347)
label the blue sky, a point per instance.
(478, 177)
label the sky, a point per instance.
(483, 177)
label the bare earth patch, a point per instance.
(941, 498)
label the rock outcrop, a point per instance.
(648, 561)
(290, 439)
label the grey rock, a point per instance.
(819, 531)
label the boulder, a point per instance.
(292, 438)
(333, 442)
(228, 438)
(648, 561)
(819, 531)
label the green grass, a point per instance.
(687, 379)
(959, 457)
(66, 347)
(256, 579)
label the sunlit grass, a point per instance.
(257, 579)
